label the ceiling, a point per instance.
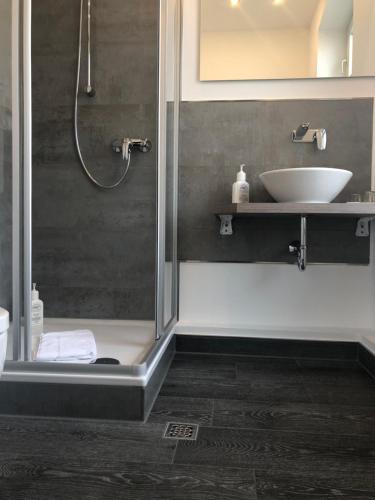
(218, 15)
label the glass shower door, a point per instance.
(169, 98)
(6, 155)
(15, 169)
(10, 171)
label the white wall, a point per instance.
(276, 296)
(251, 295)
(314, 36)
(333, 48)
(237, 55)
(364, 37)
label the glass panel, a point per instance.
(93, 257)
(172, 98)
(6, 157)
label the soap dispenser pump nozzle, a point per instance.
(241, 175)
(34, 292)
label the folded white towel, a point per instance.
(76, 346)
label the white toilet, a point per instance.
(4, 325)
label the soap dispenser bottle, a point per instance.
(36, 312)
(241, 188)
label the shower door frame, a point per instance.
(22, 184)
(163, 328)
(21, 177)
(16, 181)
(27, 176)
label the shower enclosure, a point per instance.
(103, 259)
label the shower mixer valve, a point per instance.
(127, 145)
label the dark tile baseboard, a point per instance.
(135, 403)
(319, 349)
(112, 402)
(71, 400)
(366, 359)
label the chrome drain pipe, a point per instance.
(299, 248)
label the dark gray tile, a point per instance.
(277, 450)
(298, 450)
(349, 374)
(77, 441)
(112, 253)
(217, 136)
(152, 389)
(140, 24)
(133, 78)
(266, 347)
(53, 77)
(135, 303)
(5, 204)
(338, 394)
(180, 409)
(323, 486)
(58, 480)
(71, 400)
(221, 389)
(227, 360)
(75, 302)
(245, 122)
(77, 262)
(63, 210)
(202, 368)
(64, 16)
(366, 360)
(268, 370)
(300, 417)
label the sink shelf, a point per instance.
(330, 209)
(364, 212)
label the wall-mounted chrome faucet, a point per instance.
(304, 134)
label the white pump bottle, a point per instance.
(241, 188)
(36, 312)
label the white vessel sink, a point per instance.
(305, 185)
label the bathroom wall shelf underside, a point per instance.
(331, 209)
(364, 212)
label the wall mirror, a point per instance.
(280, 39)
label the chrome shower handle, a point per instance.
(126, 148)
(127, 145)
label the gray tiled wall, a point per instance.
(217, 136)
(5, 208)
(5, 157)
(94, 250)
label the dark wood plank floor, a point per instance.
(269, 429)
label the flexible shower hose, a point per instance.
(76, 132)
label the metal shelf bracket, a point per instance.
(363, 227)
(226, 228)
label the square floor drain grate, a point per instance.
(176, 430)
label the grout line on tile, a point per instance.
(174, 453)
(283, 431)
